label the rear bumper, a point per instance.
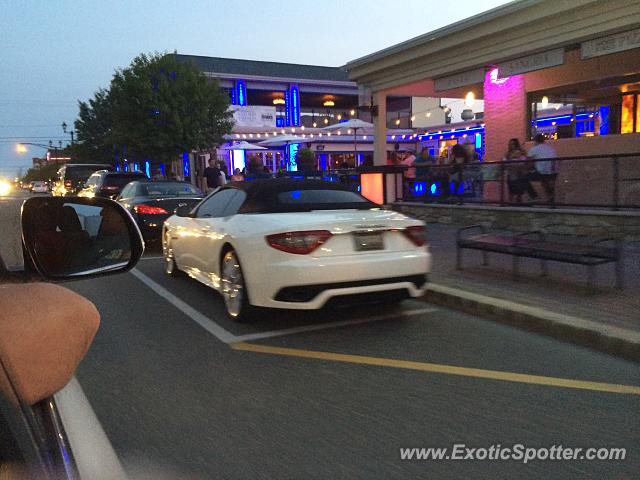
(307, 283)
(151, 226)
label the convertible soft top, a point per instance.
(281, 195)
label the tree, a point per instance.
(162, 107)
(154, 109)
(94, 128)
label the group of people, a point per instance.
(216, 175)
(524, 168)
(449, 178)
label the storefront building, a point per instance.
(570, 70)
(273, 98)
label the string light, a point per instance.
(413, 118)
(469, 99)
(326, 120)
(428, 114)
(339, 117)
(302, 128)
(329, 103)
(278, 101)
(398, 121)
(349, 132)
(339, 132)
(545, 102)
(352, 112)
(315, 124)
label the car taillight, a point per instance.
(417, 234)
(300, 243)
(149, 210)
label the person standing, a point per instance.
(409, 174)
(544, 171)
(517, 182)
(458, 163)
(223, 173)
(212, 174)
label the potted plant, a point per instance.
(306, 160)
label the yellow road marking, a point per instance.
(438, 368)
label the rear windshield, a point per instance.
(305, 197)
(160, 189)
(306, 200)
(121, 180)
(79, 173)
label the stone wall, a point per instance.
(596, 224)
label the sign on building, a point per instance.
(254, 116)
(530, 63)
(611, 44)
(459, 80)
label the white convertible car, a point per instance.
(295, 244)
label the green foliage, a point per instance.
(306, 160)
(46, 172)
(156, 108)
(94, 130)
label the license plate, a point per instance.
(366, 241)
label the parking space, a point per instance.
(337, 392)
(411, 331)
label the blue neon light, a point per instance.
(287, 108)
(604, 119)
(293, 150)
(126, 167)
(295, 194)
(478, 141)
(136, 167)
(419, 188)
(161, 168)
(279, 122)
(147, 168)
(118, 167)
(185, 165)
(241, 92)
(232, 92)
(295, 105)
(434, 189)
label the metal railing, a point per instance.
(597, 181)
(610, 182)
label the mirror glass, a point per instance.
(71, 237)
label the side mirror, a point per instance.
(184, 211)
(76, 237)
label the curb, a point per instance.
(615, 341)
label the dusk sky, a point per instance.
(56, 53)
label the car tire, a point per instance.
(170, 267)
(234, 290)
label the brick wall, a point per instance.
(505, 113)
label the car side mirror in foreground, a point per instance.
(184, 211)
(76, 237)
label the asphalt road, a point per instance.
(290, 397)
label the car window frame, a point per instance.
(197, 214)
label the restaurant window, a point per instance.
(630, 113)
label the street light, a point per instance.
(64, 129)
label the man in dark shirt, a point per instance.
(212, 174)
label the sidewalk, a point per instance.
(558, 305)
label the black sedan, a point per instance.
(151, 203)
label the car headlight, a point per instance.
(5, 188)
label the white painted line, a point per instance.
(323, 326)
(150, 258)
(205, 322)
